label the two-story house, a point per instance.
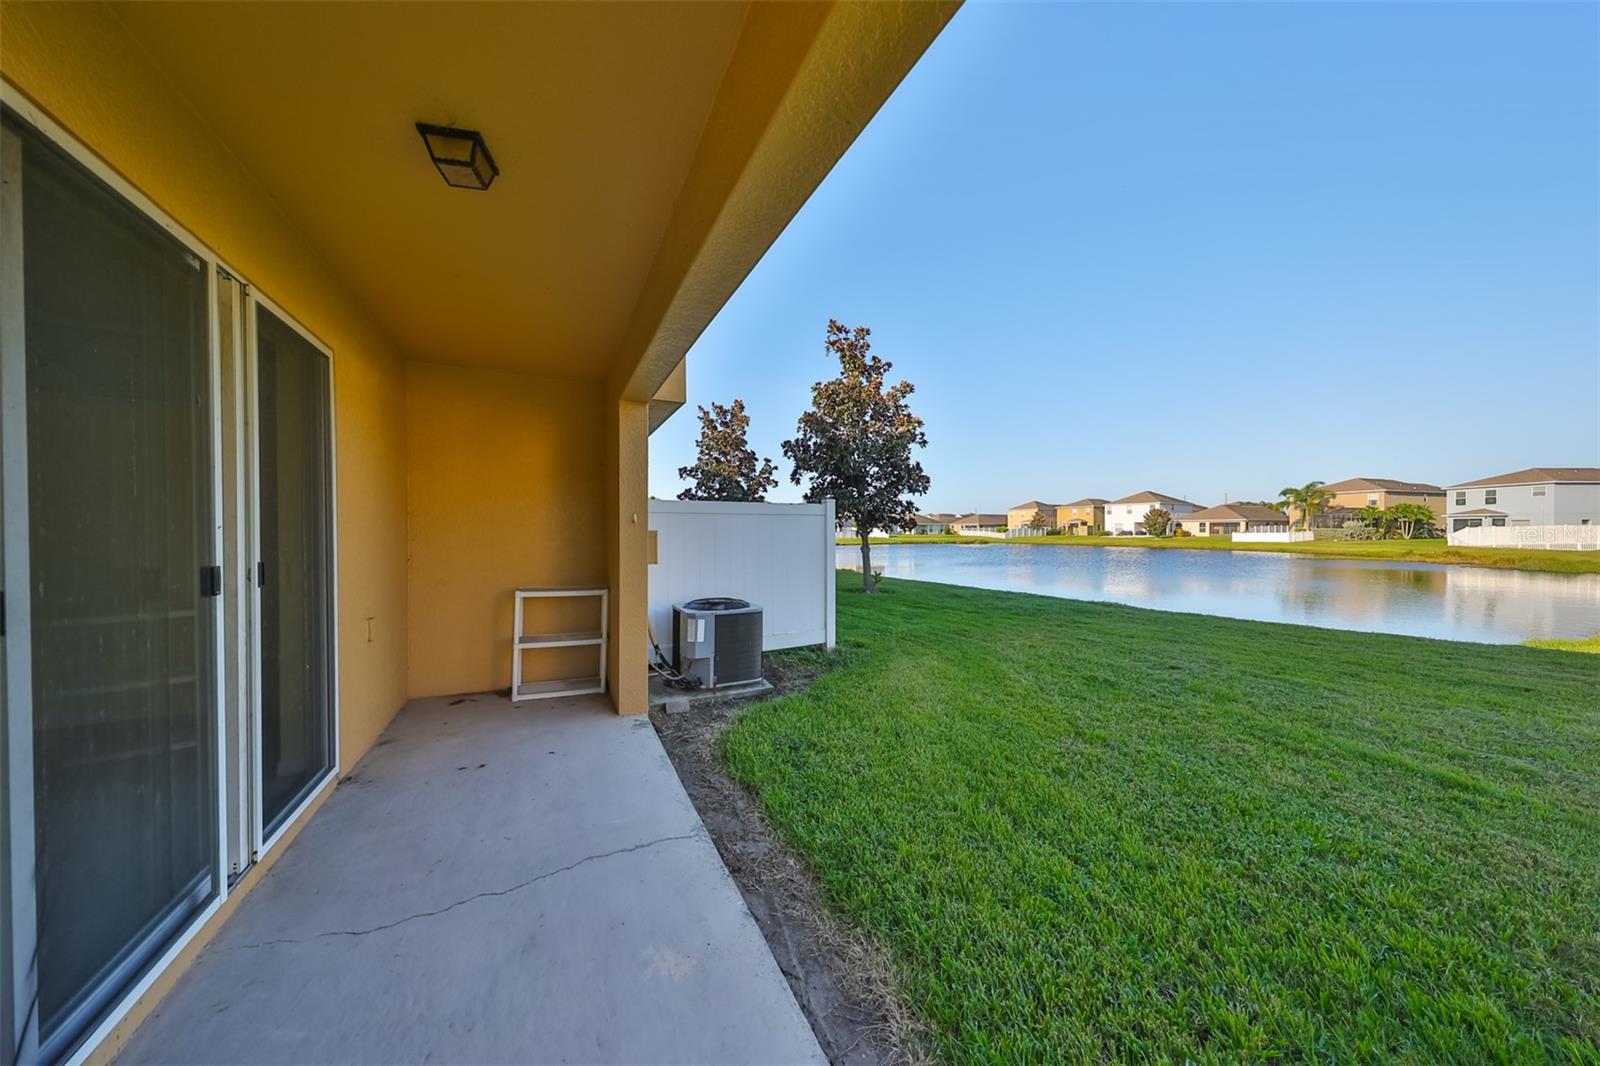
(1538, 496)
(1125, 517)
(1081, 516)
(1022, 515)
(1350, 495)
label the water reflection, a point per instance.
(1417, 599)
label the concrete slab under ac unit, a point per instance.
(673, 700)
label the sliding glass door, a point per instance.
(167, 658)
(296, 553)
(114, 371)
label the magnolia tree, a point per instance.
(856, 443)
(1157, 522)
(725, 466)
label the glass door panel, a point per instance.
(296, 594)
(115, 321)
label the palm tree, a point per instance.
(1375, 517)
(1308, 499)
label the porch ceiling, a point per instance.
(649, 153)
(594, 114)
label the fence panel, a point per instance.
(778, 555)
(1568, 538)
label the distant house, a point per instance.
(1081, 516)
(934, 522)
(1350, 495)
(979, 523)
(928, 523)
(1021, 516)
(1125, 517)
(1226, 519)
(1538, 496)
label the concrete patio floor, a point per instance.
(492, 883)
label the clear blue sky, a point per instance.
(1207, 249)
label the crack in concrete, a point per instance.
(519, 886)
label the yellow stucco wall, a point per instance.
(505, 489)
(627, 551)
(1019, 517)
(1357, 499)
(1088, 515)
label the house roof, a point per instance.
(983, 519)
(941, 517)
(1087, 501)
(1154, 497)
(1536, 475)
(1356, 484)
(1237, 512)
(1477, 512)
(1034, 504)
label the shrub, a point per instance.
(1359, 531)
(1411, 521)
(1157, 522)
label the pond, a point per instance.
(1414, 599)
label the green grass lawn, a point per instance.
(1417, 551)
(1092, 832)
(1590, 645)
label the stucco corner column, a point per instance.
(627, 533)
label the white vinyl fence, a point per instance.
(778, 555)
(1274, 536)
(1568, 538)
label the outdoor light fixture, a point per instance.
(461, 156)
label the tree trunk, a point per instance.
(868, 583)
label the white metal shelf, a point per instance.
(560, 640)
(572, 686)
(522, 642)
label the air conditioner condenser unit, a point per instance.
(717, 640)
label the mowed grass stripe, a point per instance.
(1095, 832)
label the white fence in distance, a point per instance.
(1560, 538)
(777, 555)
(1284, 536)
